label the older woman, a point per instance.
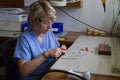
(37, 45)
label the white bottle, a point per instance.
(87, 75)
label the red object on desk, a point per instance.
(84, 49)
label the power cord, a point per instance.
(80, 20)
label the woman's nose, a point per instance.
(49, 26)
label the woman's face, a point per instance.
(44, 25)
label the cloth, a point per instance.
(116, 56)
(29, 47)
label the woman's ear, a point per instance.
(36, 20)
(39, 20)
(33, 21)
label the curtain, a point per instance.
(116, 16)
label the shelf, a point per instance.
(75, 4)
(20, 3)
(11, 3)
(78, 3)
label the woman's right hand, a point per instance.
(55, 52)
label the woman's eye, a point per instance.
(46, 23)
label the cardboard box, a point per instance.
(104, 49)
(57, 27)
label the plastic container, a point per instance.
(25, 26)
(57, 27)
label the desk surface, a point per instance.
(82, 61)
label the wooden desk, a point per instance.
(99, 65)
(70, 37)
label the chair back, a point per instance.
(7, 49)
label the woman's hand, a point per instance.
(55, 52)
(63, 49)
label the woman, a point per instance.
(37, 46)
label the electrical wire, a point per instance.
(81, 21)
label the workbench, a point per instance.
(81, 61)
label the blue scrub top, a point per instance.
(29, 47)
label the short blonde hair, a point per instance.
(39, 9)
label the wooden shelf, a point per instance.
(70, 40)
(20, 3)
(11, 3)
(75, 4)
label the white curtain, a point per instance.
(115, 7)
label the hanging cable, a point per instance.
(81, 21)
